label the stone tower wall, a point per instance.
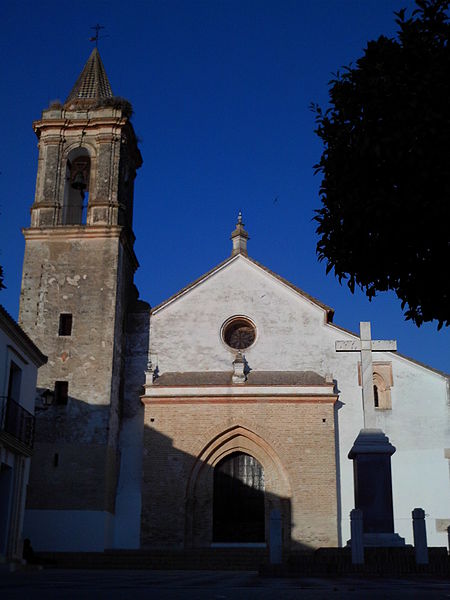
(86, 270)
(90, 279)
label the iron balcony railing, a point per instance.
(17, 421)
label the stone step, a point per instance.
(323, 562)
(202, 558)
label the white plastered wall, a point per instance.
(11, 351)
(185, 334)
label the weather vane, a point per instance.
(96, 37)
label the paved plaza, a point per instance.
(53, 584)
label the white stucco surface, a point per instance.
(127, 525)
(12, 351)
(69, 530)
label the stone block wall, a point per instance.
(86, 273)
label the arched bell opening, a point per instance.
(76, 192)
(238, 500)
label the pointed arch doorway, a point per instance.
(238, 500)
(276, 490)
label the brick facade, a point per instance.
(293, 440)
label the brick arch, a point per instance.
(199, 491)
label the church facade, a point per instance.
(187, 424)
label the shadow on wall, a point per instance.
(193, 502)
(223, 496)
(337, 406)
(183, 501)
(73, 467)
(78, 475)
(158, 495)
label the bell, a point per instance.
(79, 182)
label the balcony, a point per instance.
(16, 425)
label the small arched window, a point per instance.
(382, 383)
(382, 389)
(375, 396)
(78, 172)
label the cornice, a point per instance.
(241, 392)
(267, 398)
(72, 232)
(80, 232)
(42, 126)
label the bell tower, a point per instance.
(77, 290)
(88, 156)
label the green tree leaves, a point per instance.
(385, 191)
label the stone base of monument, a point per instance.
(371, 455)
(381, 540)
(385, 540)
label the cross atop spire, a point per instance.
(96, 37)
(93, 83)
(239, 238)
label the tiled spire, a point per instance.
(93, 82)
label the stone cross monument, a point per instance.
(371, 453)
(366, 346)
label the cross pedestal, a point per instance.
(371, 455)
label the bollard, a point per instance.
(420, 536)
(357, 544)
(448, 536)
(275, 541)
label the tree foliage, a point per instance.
(385, 217)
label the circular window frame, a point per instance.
(229, 322)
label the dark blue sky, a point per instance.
(221, 92)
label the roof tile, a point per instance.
(93, 83)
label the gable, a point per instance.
(185, 331)
(329, 311)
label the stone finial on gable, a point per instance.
(239, 369)
(239, 238)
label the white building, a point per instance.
(19, 362)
